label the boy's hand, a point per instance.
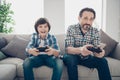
(33, 51)
(49, 51)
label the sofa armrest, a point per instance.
(116, 53)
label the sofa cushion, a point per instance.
(16, 47)
(3, 42)
(2, 56)
(114, 66)
(61, 41)
(116, 53)
(11, 60)
(7, 71)
(110, 43)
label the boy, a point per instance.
(48, 57)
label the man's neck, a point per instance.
(84, 31)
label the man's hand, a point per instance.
(33, 51)
(85, 51)
(100, 55)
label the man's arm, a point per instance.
(69, 44)
(72, 50)
(96, 42)
(80, 50)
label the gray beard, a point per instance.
(86, 28)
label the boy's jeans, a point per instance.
(37, 61)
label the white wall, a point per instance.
(26, 12)
(54, 12)
(113, 19)
(72, 9)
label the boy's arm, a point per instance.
(55, 46)
(31, 44)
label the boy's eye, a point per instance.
(39, 26)
(45, 26)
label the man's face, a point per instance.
(43, 29)
(86, 20)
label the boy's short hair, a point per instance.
(41, 21)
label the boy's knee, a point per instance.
(59, 63)
(26, 63)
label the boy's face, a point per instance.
(43, 29)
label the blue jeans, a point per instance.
(71, 61)
(37, 61)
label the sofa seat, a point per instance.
(44, 73)
(7, 71)
(113, 65)
(18, 41)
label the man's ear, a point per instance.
(79, 18)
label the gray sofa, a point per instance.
(11, 66)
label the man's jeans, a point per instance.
(37, 61)
(71, 61)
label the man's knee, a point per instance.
(69, 59)
(102, 62)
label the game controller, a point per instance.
(42, 49)
(94, 49)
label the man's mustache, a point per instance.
(86, 25)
